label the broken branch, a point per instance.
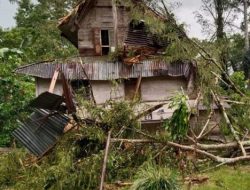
(105, 161)
(222, 108)
(195, 148)
(206, 125)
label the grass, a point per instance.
(227, 178)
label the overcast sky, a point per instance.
(184, 14)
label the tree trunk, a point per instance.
(246, 38)
(246, 26)
(220, 35)
(219, 20)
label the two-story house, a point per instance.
(99, 28)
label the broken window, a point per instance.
(82, 88)
(105, 42)
(132, 88)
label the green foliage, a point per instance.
(36, 32)
(10, 167)
(116, 55)
(119, 115)
(75, 163)
(153, 177)
(239, 79)
(114, 115)
(231, 178)
(239, 113)
(15, 93)
(236, 51)
(178, 124)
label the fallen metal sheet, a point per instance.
(41, 131)
(47, 101)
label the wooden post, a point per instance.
(68, 95)
(105, 160)
(115, 21)
(53, 81)
(87, 77)
(138, 85)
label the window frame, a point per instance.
(101, 41)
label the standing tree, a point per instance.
(36, 26)
(246, 24)
(218, 19)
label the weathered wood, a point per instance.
(105, 161)
(68, 95)
(87, 77)
(97, 41)
(115, 20)
(53, 81)
(6, 150)
(148, 111)
(138, 84)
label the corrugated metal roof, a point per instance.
(41, 131)
(139, 37)
(47, 101)
(105, 70)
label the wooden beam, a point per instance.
(68, 95)
(150, 110)
(138, 85)
(115, 21)
(6, 150)
(53, 81)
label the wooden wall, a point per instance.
(161, 88)
(42, 85)
(104, 91)
(101, 17)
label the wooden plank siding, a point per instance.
(100, 17)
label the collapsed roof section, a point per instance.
(69, 24)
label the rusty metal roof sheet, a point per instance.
(41, 131)
(139, 37)
(105, 70)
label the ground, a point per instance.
(227, 178)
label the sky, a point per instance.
(7, 12)
(184, 14)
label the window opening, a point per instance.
(105, 42)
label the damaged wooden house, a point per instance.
(100, 29)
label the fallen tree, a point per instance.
(200, 148)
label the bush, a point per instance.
(153, 177)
